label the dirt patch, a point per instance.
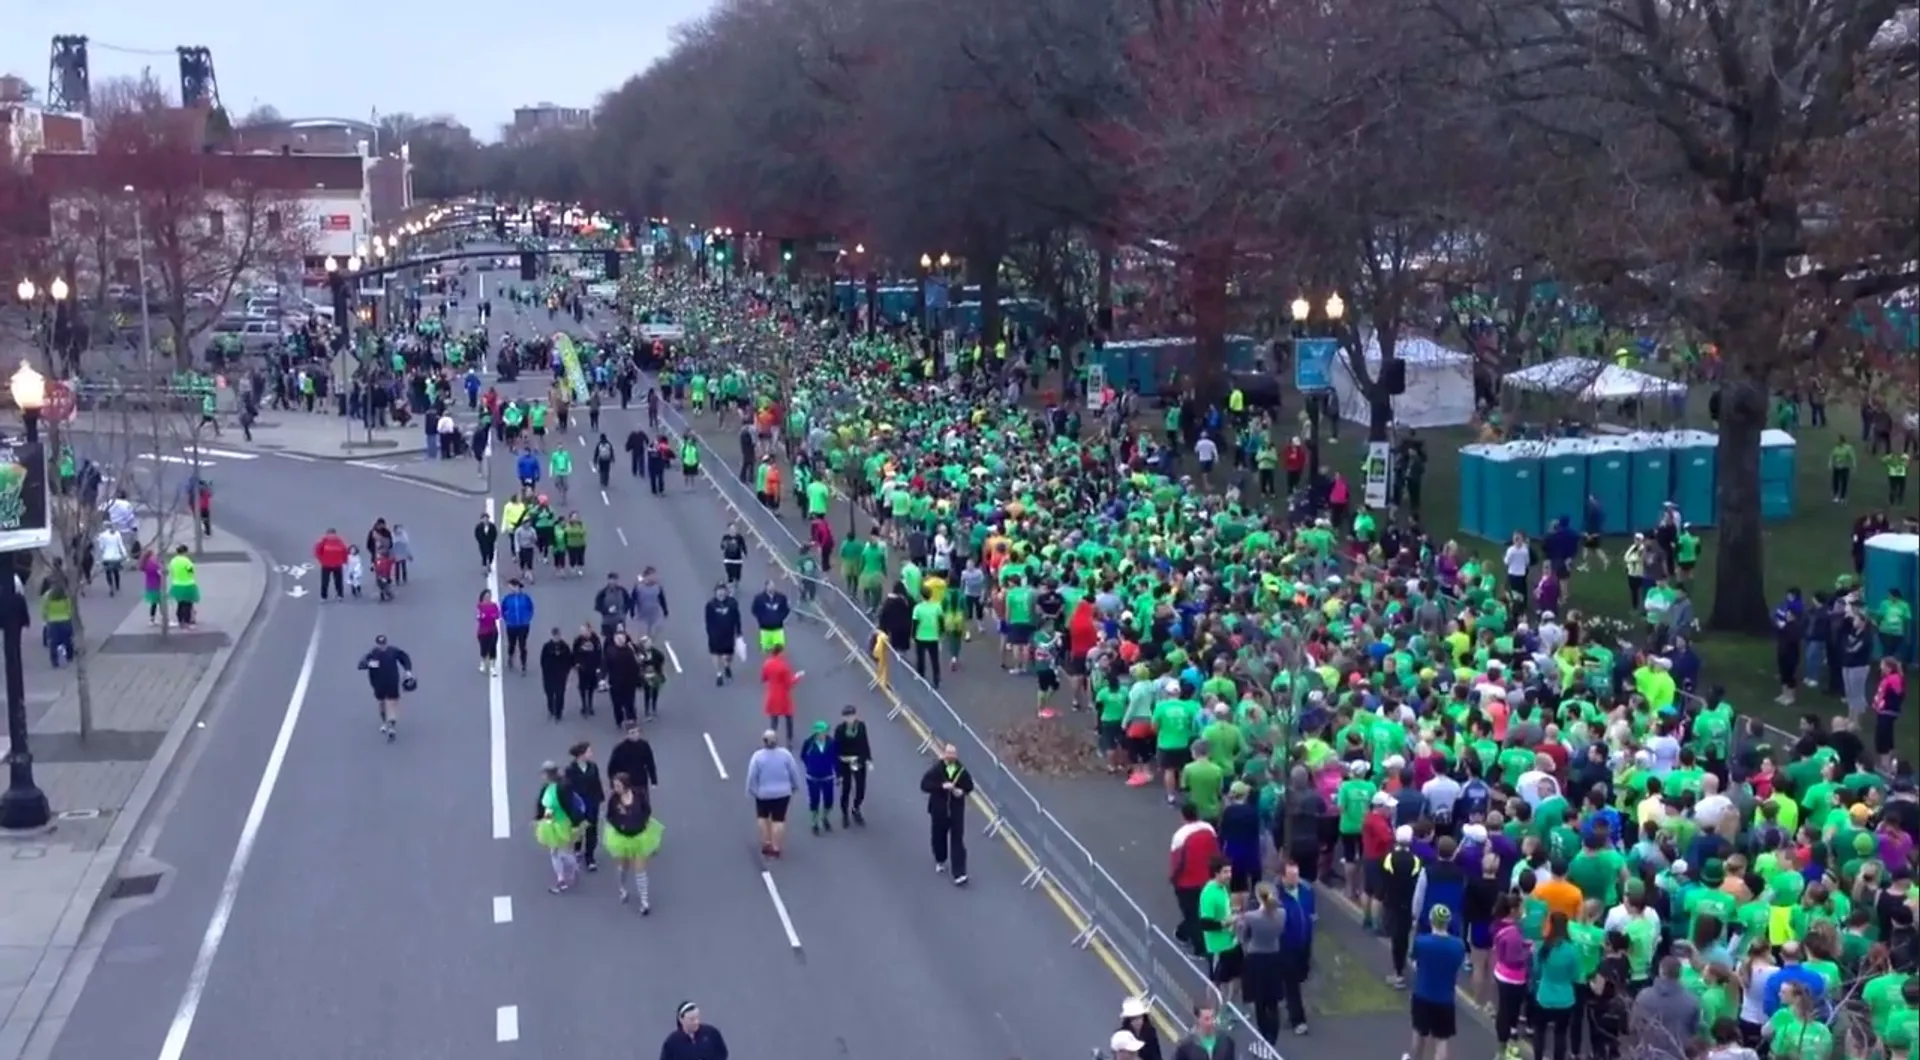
(1050, 747)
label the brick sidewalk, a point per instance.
(148, 688)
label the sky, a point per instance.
(475, 61)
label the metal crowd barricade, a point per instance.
(1174, 979)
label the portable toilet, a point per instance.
(1694, 454)
(1610, 481)
(1473, 468)
(1893, 562)
(1779, 474)
(1651, 465)
(1510, 491)
(1563, 481)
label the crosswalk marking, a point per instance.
(169, 458)
(229, 453)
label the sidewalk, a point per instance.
(148, 690)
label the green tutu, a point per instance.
(152, 596)
(554, 834)
(633, 846)
(185, 594)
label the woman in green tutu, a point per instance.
(554, 828)
(632, 836)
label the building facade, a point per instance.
(547, 117)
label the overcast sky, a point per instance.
(475, 61)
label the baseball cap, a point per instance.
(1133, 1008)
(1403, 834)
(1125, 1042)
(1381, 798)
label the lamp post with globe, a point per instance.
(23, 807)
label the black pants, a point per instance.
(1551, 1024)
(489, 647)
(1510, 1001)
(1293, 976)
(649, 698)
(588, 845)
(486, 554)
(1262, 984)
(588, 682)
(949, 835)
(556, 697)
(622, 700)
(1399, 937)
(112, 572)
(517, 645)
(639, 463)
(1188, 930)
(657, 480)
(853, 789)
(334, 577)
(926, 660)
(1842, 478)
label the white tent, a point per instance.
(1439, 385)
(1586, 379)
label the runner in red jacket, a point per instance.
(330, 552)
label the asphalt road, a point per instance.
(374, 912)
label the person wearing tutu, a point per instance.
(632, 836)
(183, 587)
(554, 827)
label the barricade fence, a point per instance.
(1175, 981)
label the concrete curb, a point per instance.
(96, 882)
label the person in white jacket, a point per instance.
(110, 548)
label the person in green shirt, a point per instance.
(1173, 719)
(1795, 1031)
(1598, 869)
(1204, 782)
(1840, 463)
(1215, 916)
(183, 586)
(926, 641)
(1897, 465)
(1018, 601)
(1893, 618)
(560, 467)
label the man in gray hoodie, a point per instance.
(1665, 1017)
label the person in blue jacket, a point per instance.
(516, 615)
(1296, 900)
(527, 467)
(820, 760)
(1562, 547)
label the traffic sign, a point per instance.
(1313, 364)
(60, 404)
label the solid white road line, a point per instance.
(780, 909)
(604, 500)
(207, 450)
(506, 1023)
(503, 909)
(672, 656)
(623, 536)
(298, 456)
(175, 1045)
(414, 483)
(714, 753)
(497, 722)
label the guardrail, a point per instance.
(1173, 979)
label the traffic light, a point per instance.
(786, 252)
(720, 251)
(612, 267)
(529, 270)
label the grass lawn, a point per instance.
(1807, 551)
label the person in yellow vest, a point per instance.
(1897, 465)
(1237, 405)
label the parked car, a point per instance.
(255, 333)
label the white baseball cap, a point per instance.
(1403, 834)
(1125, 1042)
(1133, 1008)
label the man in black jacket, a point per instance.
(856, 757)
(947, 784)
(633, 756)
(486, 534)
(638, 445)
(693, 1039)
(556, 662)
(612, 604)
(583, 779)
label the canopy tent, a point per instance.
(1586, 379)
(1439, 385)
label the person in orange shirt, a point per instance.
(1561, 896)
(771, 496)
(777, 678)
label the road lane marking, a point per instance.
(506, 1023)
(623, 536)
(672, 656)
(175, 1044)
(780, 908)
(414, 483)
(714, 753)
(497, 721)
(604, 500)
(229, 454)
(502, 909)
(297, 456)
(583, 440)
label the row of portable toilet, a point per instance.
(1528, 486)
(1893, 562)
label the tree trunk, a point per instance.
(82, 671)
(1103, 286)
(987, 275)
(1739, 597)
(1209, 275)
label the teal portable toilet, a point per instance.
(1510, 491)
(1652, 469)
(1779, 474)
(1694, 457)
(1893, 562)
(1610, 481)
(1473, 473)
(1563, 481)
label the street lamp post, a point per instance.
(51, 298)
(23, 806)
(1302, 311)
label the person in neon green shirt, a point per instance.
(183, 586)
(560, 466)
